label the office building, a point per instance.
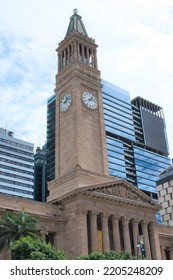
(50, 166)
(40, 183)
(16, 165)
(165, 195)
(136, 138)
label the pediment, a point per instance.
(122, 190)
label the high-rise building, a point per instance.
(40, 183)
(165, 195)
(135, 134)
(136, 138)
(16, 166)
(50, 166)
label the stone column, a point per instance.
(59, 61)
(135, 223)
(68, 54)
(74, 51)
(82, 232)
(144, 225)
(92, 58)
(88, 59)
(94, 234)
(95, 59)
(105, 232)
(126, 235)
(65, 56)
(171, 253)
(43, 234)
(83, 55)
(155, 244)
(78, 51)
(62, 60)
(116, 233)
(60, 238)
(163, 256)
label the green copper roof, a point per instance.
(76, 23)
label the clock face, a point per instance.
(66, 102)
(90, 100)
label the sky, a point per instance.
(135, 52)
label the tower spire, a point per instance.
(76, 23)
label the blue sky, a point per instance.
(135, 39)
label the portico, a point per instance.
(110, 216)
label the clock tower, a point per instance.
(80, 141)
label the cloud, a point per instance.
(25, 87)
(135, 52)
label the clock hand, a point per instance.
(66, 99)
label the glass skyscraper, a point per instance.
(119, 127)
(136, 138)
(135, 134)
(40, 180)
(50, 172)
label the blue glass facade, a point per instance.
(117, 111)
(115, 152)
(148, 167)
(130, 154)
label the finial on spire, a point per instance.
(75, 11)
(76, 24)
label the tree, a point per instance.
(28, 248)
(110, 255)
(14, 226)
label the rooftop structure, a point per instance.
(76, 23)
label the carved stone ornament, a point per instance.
(120, 190)
(81, 212)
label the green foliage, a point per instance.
(13, 226)
(28, 248)
(92, 256)
(110, 255)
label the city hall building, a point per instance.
(88, 209)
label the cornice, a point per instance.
(79, 36)
(78, 170)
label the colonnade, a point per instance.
(77, 51)
(119, 233)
